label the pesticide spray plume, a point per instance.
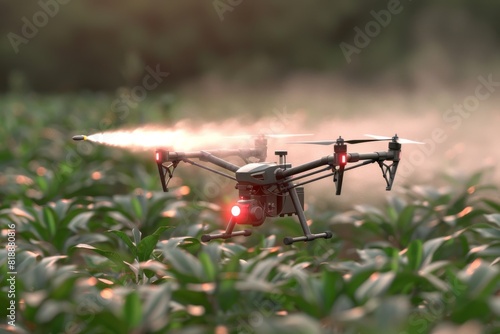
(143, 138)
(186, 136)
(420, 164)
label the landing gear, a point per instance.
(308, 236)
(227, 234)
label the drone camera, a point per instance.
(249, 212)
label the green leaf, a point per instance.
(395, 259)
(435, 281)
(226, 292)
(375, 285)
(474, 309)
(156, 305)
(405, 218)
(487, 231)
(486, 250)
(105, 321)
(115, 257)
(137, 235)
(294, 323)
(152, 267)
(122, 235)
(481, 279)
(42, 183)
(433, 266)
(332, 284)
(61, 208)
(475, 178)
(137, 207)
(494, 218)
(494, 205)
(391, 313)
(430, 247)
(80, 221)
(208, 266)
(269, 242)
(415, 254)
(49, 217)
(184, 263)
(148, 244)
(132, 310)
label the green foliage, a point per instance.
(98, 251)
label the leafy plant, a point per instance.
(101, 250)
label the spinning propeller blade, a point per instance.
(331, 142)
(399, 140)
(315, 142)
(275, 135)
(358, 141)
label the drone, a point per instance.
(270, 189)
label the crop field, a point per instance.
(90, 244)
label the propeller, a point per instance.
(340, 140)
(272, 135)
(399, 140)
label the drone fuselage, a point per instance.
(257, 173)
(258, 182)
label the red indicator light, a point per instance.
(157, 156)
(235, 211)
(343, 159)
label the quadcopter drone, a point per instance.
(268, 189)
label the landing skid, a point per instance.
(308, 236)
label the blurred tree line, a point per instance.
(104, 44)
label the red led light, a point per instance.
(157, 156)
(235, 211)
(343, 159)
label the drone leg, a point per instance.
(227, 234)
(308, 236)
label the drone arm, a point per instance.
(375, 156)
(207, 156)
(201, 155)
(213, 155)
(328, 160)
(191, 162)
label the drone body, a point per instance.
(268, 189)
